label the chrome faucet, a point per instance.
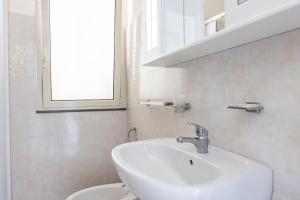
(200, 142)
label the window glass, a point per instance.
(82, 49)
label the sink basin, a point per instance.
(162, 169)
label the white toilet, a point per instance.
(104, 192)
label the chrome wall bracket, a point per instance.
(253, 107)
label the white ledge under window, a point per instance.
(273, 22)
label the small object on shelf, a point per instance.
(182, 108)
(254, 107)
(179, 103)
(166, 104)
(179, 100)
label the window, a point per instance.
(80, 55)
(152, 24)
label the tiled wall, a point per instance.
(53, 155)
(266, 71)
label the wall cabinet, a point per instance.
(210, 26)
(183, 30)
(170, 25)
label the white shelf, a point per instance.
(275, 21)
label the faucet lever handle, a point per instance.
(200, 131)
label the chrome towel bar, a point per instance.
(254, 107)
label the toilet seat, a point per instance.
(104, 192)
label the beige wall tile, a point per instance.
(53, 155)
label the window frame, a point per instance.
(5, 163)
(45, 102)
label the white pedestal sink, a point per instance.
(162, 169)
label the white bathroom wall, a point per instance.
(27, 7)
(266, 71)
(235, 13)
(213, 8)
(53, 155)
(4, 105)
(160, 83)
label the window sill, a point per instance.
(41, 111)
